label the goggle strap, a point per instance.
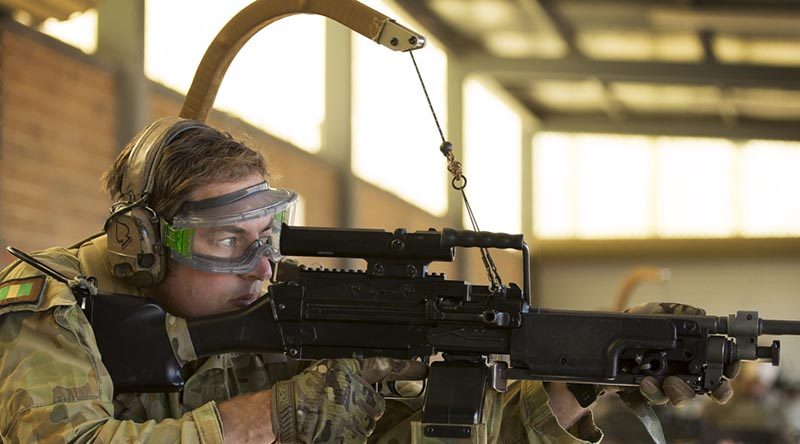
(224, 199)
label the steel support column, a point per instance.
(336, 137)
(120, 39)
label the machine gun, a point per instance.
(396, 308)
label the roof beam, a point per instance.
(546, 9)
(707, 41)
(677, 127)
(508, 69)
(454, 40)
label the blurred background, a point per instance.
(647, 150)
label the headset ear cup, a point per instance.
(135, 252)
(134, 249)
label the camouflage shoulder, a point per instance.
(24, 288)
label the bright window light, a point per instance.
(492, 145)
(696, 186)
(80, 30)
(395, 140)
(613, 186)
(276, 81)
(299, 212)
(554, 180)
(769, 186)
(600, 186)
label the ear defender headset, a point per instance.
(135, 250)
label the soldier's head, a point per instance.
(197, 200)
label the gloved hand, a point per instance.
(672, 388)
(333, 400)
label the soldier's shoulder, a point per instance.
(24, 288)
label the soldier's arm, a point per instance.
(563, 404)
(54, 385)
(52, 380)
(533, 414)
(247, 418)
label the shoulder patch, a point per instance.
(18, 291)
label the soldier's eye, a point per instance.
(228, 242)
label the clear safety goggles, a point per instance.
(232, 232)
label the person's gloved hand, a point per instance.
(333, 400)
(672, 388)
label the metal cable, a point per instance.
(459, 182)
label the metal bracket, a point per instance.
(399, 38)
(744, 327)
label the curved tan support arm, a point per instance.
(634, 278)
(261, 13)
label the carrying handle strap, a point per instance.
(356, 16)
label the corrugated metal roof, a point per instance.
(577, 62)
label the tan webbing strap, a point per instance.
(644, 411)
(219, 55)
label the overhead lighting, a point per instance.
(574, 96)
(523, 44)
(681, 98)
(475, 17)
(743, 21)
(637, 46)
(777, 52)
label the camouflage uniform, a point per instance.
(55, 387)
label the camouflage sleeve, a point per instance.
(55, 388)
(527, 418)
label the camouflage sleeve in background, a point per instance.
(527, 418)
(53, 385)
(666, 308)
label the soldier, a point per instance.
(208, 225)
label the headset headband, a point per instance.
(138, 178)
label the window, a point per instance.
(299, 212)
(768, 187)
(276, 82)
(395, 140)
(606, 186)
(80, 30)
(492, 145)
(695, 183)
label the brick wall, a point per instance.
(56, 138)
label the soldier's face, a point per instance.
(190, 293)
